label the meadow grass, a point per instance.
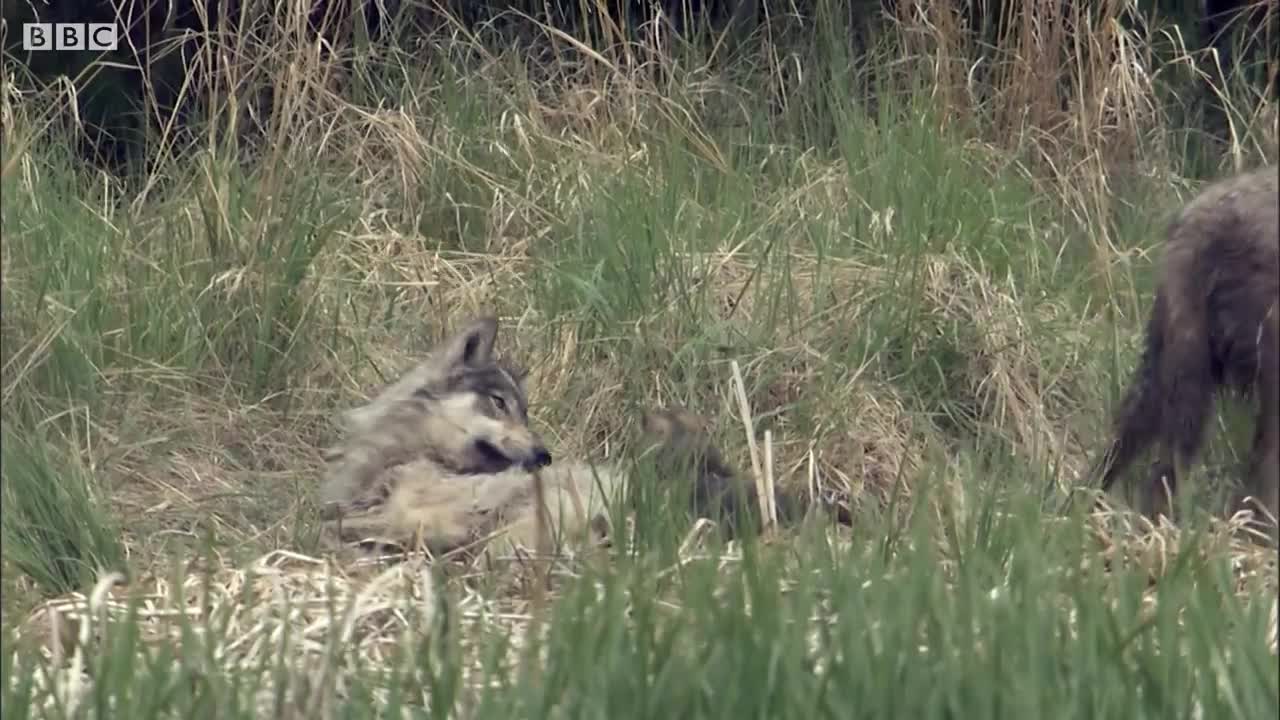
(933, 285)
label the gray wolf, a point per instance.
(442, 458)
(1212, 328)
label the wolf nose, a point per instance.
(540, 458)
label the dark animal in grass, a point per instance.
(1213, 328)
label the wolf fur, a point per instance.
(719, 492)
(1213, 327)
(442, 457)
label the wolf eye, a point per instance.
(499, 403)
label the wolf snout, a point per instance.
(539, 458)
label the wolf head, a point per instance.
(461, 408)
(677, 431)
(683, 444)
(684, 448)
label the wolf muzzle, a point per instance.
(539, 458)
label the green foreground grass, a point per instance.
(1014, 617)
(932, 313)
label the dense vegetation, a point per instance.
(926, 239)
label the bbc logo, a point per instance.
(69, 36)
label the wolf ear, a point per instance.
(473, 345)
(668, 423)
(519, 373)
(656, 423)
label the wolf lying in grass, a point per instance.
(1213, 327)
(443, 457)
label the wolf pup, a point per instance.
(1213, 327)
(443, 456)
(718, 492)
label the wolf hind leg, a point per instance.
(1138, 421)
(1187, 386)
(1264, 457)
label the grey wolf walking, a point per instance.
(1213, 327)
